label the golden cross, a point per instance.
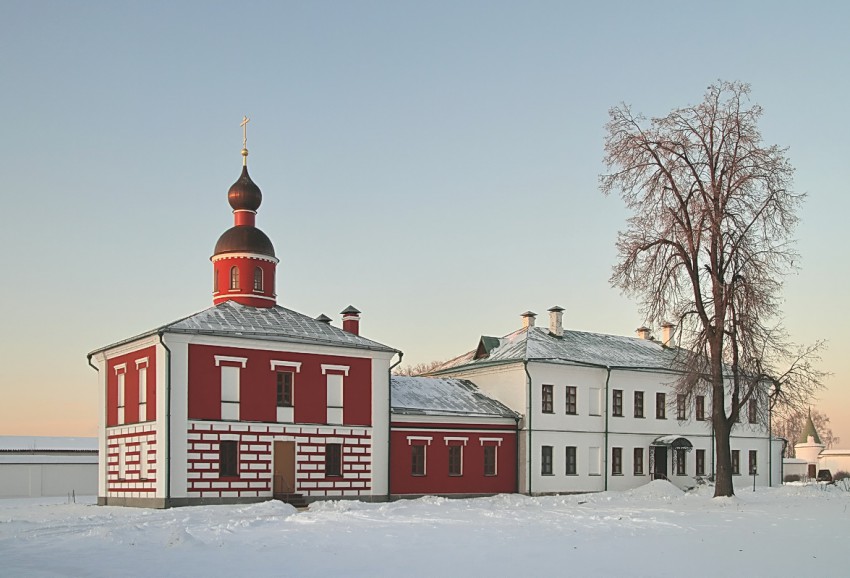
(244, 125)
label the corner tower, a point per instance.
(244, 263)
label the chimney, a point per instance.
(642, 332)
(667, 331)
(528, 319)
(351, 320)
(556, 321)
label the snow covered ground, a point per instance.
(653, 531)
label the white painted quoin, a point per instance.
(581, 431)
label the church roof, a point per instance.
(574, 347)
(443, 396)
(232, 319)
(809, 430)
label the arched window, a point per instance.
(258, 279)
(234, 277)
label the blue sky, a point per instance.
(434, 164)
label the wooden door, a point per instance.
(659, 471)
(283, 462)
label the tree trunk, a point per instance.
(723, 454)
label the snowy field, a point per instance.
(653, 531)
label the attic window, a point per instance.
(485, 346)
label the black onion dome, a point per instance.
(244, 239)
(244, 194)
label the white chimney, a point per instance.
(556, 321)
(528, 319)
(667, 331)
(642, 332)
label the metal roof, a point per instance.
(231, 319)
(579, 347)
(443, 396)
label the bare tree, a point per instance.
(789, 423)
(418, 369)
(707, 245)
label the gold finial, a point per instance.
(244, 125)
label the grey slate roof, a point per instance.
(579, 347)
(443, 396)
(231, 319)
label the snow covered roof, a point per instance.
(579, 347)
(47, 444)
(443, 396)
(267, 323)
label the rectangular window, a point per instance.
(736, 462)
(548, 399)
(229, 392)
(228, 459)
(660, 406)
(284, 389)
(681, 411)
(752, 412)
(681, 461)
(594, 401)
(489, 460)
(616, 461)
(417, 460)
(143, 394)
(143, 460)
(594, 461)
(700, 462)
(121, 398)
(571, 400)
(618, 403)
(335, 393)
(699, 407)
(333, 460)
(638, 462)
(455, 460)
(638, 404)
(753, 462)
(572, 467)
(546, 460)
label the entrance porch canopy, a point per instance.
(673, 441)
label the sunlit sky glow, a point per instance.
(432, 163)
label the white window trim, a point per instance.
(453, 439)
(343, 368)
(296, 365)
(120, 368)
(140, 362)
(226, 358)
(419, 439)
(485, 440)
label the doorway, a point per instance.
(659, 466)
(283, 460)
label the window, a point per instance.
(753, 462)
(548, 399)
(284, 389)
(681, 461)
(546, 460)
(594, 461)
(572, 467)
(616, 461)
(752, 412)
(143, 393)
(638, 461)
(736, 462)
(594, 401)
(234, 278)
(143, 460)
(700, 462)
(122, 462)
(489, 460)
(571, 399)
(681, 413)
(455, 460)
(660, 406)
(228, 459)
(229, 392)
(215, 280)
(638, 404)
(417, 460)
(618, 403)
(258, 279)
(700, 407)
(333, 460)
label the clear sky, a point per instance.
(432, 163)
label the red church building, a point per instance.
(248, 400)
